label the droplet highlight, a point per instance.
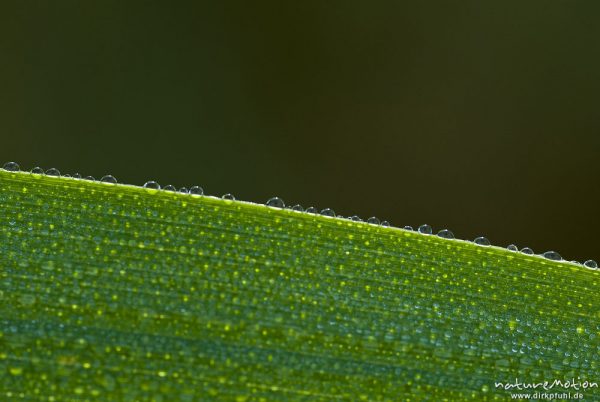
(512, 247)
(385, 223)
(275, 202)
(52, 172)
(446, 234)
(298, 207)
(482, 241)
(552, 255)
(196, 190)
(228, 196)
(373, 220)
(37, 170)
(152, 185)
(184, 190)
(311, 210)
(408, 228)
(425, 229)
(108, 179)
(527, 250)
(169, 187)
(11, 166)
(328, 212)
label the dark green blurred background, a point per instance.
(478, 116)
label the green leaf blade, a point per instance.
(115, 292)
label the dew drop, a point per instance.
(76, 176)
(152, 185)
(552, 255)
(512, 247)
(527, 250)
(356, 218)
(47, 265)
(385, 223)
(328, 212)
(311, 210)
(482, 241)
(373, 220)
(66, 175)
(109, 179)
(184, 190)
(37, 170)
(11, 167)
(169, 187)
(425, 229)
(275, 202)
(53, 172)
(408, 228)
(298, 207)
(196, 190)
(27, 300)
(90, 178)
(228, 197)
(591, 264)
(446, 234)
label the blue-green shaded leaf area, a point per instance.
(113, 292)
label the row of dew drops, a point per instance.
(277, 202)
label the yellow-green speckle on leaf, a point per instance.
(111, 292)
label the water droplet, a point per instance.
(527, 250)
(512, 247)
(373, 220)
(66, 175)
(311, 210)
(425, 229)
(408, 228)
(356, 218)
(53, 172)
(591, 264)
(196, 190)
(90, 178)
(109, 179)
(552, 255)
(37, 170)
(275, 202)
(76, 176)
(11, 167)
(184, 190)
(152, 185)
(385, 223)
(298, 207)
(482, 241)
(228, 197)
(328, 212)
(446, 234)
(169, 187)
(27, 300)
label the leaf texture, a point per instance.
(114, 292)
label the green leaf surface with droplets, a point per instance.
(113, 292)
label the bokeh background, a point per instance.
(482, 117)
